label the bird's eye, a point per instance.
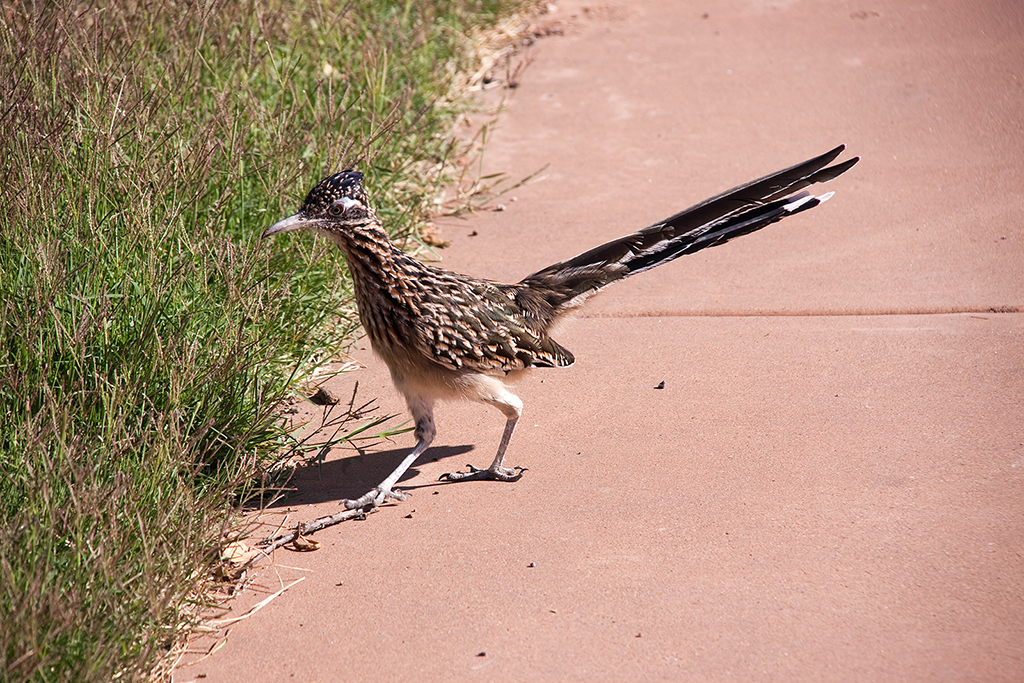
(336, 209)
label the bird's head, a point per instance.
(336, 203)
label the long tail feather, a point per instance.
(737, 212)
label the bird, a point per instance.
(447, 336)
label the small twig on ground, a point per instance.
(302, 528)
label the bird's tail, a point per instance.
(714, 221)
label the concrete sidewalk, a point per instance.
(830, 485)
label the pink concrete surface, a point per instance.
(830, 485)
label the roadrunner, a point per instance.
(450, 336)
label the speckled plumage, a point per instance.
(450, 336)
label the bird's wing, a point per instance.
(471, 324)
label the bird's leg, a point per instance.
(423, 413)
(512, 407)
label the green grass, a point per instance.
(147, 332)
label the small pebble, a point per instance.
(661, 385)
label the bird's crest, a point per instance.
(340, 185)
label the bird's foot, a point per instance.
(373, 498)
(495, 473)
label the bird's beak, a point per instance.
(295, 222)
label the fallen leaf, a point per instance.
(305, 544)
(239, 553)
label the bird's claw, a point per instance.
(374, 498)
(496, 474)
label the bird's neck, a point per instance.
(367, 242)
(386, 282)
(380, 270)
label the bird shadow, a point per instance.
(355, 474)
